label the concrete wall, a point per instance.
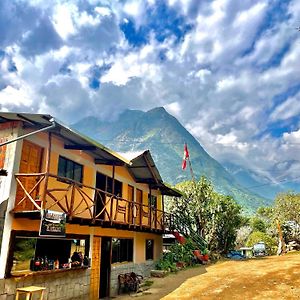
(141, 269)
(70, 284)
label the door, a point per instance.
(31, 160)
(100, 196)
(139, 202)
(105, 267)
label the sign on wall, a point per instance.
(53, 223)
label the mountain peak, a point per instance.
(163, 134)
(157, 110)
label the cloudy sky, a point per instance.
(228, 70)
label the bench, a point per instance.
(129, 282)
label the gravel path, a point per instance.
(261, 279)
(265, 278)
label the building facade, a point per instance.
(73, 213)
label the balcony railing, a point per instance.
(81, 202)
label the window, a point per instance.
(70, 169)
(152, 201)
(149, 249)
(122, 250)
(39, 254)
(105, 183)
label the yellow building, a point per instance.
(75, 214)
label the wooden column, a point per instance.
(150, 207)
(47, 168)
(163, 209)
(113, 192)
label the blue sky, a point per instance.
(228, 70)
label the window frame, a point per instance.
(149, 250)
(64, 172)
(29, 234)
(120, 251)
(152, 201)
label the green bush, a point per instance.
(177, 253)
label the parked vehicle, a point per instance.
(259, 249)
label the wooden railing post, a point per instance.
(74, 199)
(47, 168)
(72, 202)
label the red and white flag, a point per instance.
(185, 156)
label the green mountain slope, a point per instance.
(160, 132)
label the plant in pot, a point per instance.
(205, 254)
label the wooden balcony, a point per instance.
(84, 204)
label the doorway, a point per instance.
(31, 161)
(105, 267)
(100, 196)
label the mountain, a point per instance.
(262, 185)
(162, 133)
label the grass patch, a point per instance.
(148, 282)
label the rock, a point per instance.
(158, 273)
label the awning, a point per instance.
(144, 170)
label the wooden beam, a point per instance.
(80, 147)
(5, 119)
(143, 180)
(103, 161)
(150, 168)
(140, 167)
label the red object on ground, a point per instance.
(198, 255)
(205, 257)
(179, 237)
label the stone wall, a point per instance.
(143, 269)
(60, 285)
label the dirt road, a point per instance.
(264, 278)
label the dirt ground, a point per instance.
(260, 278)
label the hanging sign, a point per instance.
(53, 223)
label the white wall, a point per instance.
(8, 190)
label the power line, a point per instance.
(271, 183)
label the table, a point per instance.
(29, 290)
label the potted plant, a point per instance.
(205, 254)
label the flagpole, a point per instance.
(191, 170)
(186, 156)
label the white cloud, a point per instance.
(221, 79)
(174, 108)
(11, 96)
(287, 109)
(135, 9)
(103, 11)
(293, 137)
(63, 19)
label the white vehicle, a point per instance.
(259, 249)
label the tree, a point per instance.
(287, 207)
(258, 224)
(203, 214)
